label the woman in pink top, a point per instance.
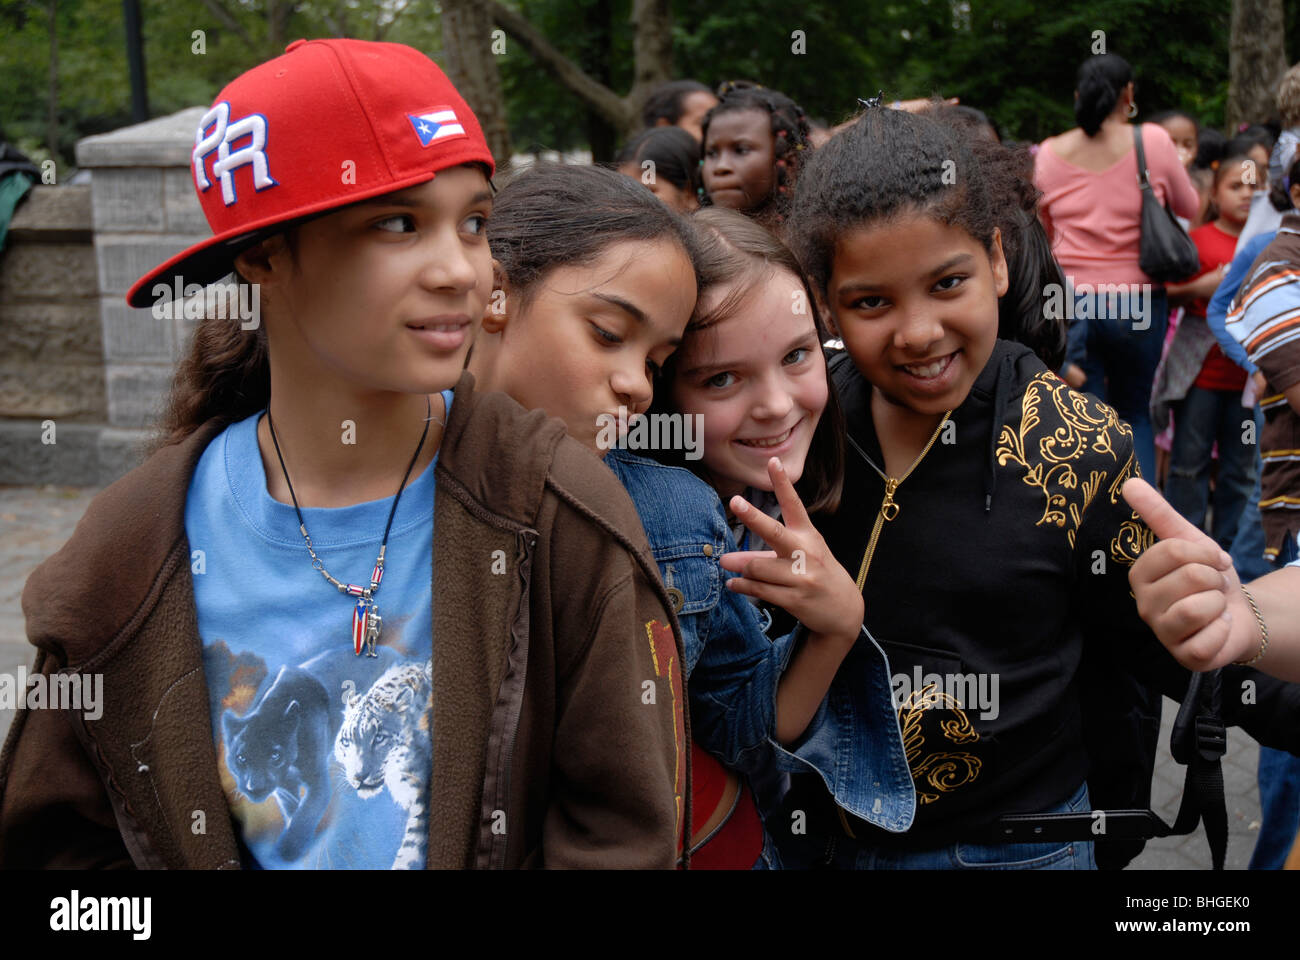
(1092, 209)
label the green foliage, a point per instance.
(596, 35)
(94, 91)
(1014, 59)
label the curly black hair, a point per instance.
(886, 163)
(790, 142)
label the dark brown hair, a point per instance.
(736, 251)
(667, 101)
(885, 164)
(674, 152)
(1233, 160)
(225, 374)
(555, 215)
(1100, 81)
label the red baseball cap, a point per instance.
(326, 124)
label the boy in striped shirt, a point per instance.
(1265, 319)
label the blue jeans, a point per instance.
(848, 854)
(1279, 782)
(1121, 361)
(1200, 418)
(1279, 802)
(1248, 545)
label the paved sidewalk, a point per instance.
(36, 521)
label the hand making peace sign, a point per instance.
(799, 574)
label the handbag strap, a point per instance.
(1144, 182)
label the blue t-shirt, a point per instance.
(325, 755)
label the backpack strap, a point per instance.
(1199, 740)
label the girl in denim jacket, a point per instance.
(580, 257)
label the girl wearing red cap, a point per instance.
(350, 612)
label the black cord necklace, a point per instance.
(366, 622)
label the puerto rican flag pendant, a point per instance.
(360, 624)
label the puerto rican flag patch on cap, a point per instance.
(439, 123)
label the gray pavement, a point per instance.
(36, 521)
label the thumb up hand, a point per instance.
(1186, 588)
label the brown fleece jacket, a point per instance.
(559, 732)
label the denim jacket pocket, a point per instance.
(693, 579)
(694, 584)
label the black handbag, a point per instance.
(1165, 253)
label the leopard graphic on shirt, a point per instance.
(283, 749)
(384, 742)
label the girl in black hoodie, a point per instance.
(982, 518)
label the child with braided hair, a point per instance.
(755, 141)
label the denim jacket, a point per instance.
(732, 668)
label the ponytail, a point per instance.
(1022, 315)
(1098, 85)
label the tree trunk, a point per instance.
(472, 67)
(652, 49)
(1256, 61)
(52, 108)
(279, 12)
(602, 137)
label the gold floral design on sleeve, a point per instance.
(1058, 429)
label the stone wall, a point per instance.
(72, 351)
(51, 351)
